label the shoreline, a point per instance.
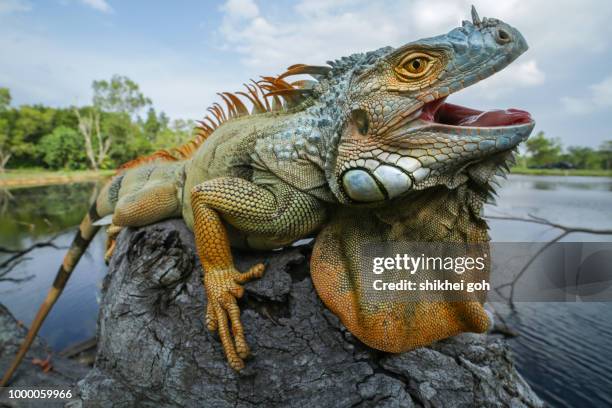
(560, 172)
(35, 178)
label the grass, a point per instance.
(561, 172)
(41, 177)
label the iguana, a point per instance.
(368, 151)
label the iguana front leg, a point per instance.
(280, 213)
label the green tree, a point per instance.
(128, 138)
(5, 151)
(542, 150)
(163, 120)
(178, 132)
(583, 157)
(5, 99)
(152, 125)
(63, 148)
(96, 143)
(119, 95)
(110, 136)
(605, 151)
(65, 117)
(21, 130)
(28, 125)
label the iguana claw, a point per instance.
(223, 287)
(111, 238)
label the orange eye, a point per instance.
(414, 66)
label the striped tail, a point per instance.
(79, 245)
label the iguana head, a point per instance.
(398, 134)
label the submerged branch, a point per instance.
(543, 221)
(18, 256)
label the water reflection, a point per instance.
(30, 215)
(5, 200)
(542, 185)
(562, 183)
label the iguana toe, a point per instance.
(223, 313)
(109, 251)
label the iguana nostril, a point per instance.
(503, 37)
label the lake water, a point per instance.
(564, 349)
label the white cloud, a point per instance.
(316, 31)
(99, 5)
(311, 32)
(553, 28)
(14, 6)
(436, 16)
(59, 75)
(528, 73)
(519, 75)
(319, 30)
(576, 106)
(598, 98)
(240, 9)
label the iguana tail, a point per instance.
(81, 241)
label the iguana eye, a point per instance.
(414, 66)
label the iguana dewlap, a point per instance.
(368, 152)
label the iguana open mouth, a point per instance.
(439, 111)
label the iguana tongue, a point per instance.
(461, 116)
(440, 112)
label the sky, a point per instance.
(182, 52)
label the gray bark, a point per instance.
(154, 349)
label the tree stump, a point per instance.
(154, 348)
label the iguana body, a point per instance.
(369, 153)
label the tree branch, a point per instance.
(85, 129)
(566, 230)
(18, 256)
(543, 221)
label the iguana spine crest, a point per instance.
(284, 95)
